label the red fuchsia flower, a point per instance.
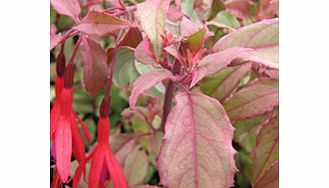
(64, 129)
(104, 165)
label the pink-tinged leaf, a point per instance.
(239, 8)
(262, 36)
(100, 23)
(266, 156)
(153, 15)
(187, 27)
(54, 39)
(135, 168)
(143, 52)
(221, 85)
(147, 81)
(122, 145)
(197, 75)
(67, 7)
(147, 186)
(174, 13)
(95, 68)
(272, 74)
(197, 147)
(132, 38)
(172, 50)
(63, 146)
(267, 9)
(219, 60)
(270, 179)
(256, 98)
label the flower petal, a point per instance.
(63, 148)
(117, 175)
(78, 145)
(54, 117)
(95, 169)
(84, 127)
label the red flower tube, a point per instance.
(104, 165)
(64, 129)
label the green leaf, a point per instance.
(125, 72)
(135, 168)
(225, 19)
(221, 84)
(195, 41)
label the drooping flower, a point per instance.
(104, 165)
(64, 129)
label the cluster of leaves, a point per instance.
(195, 94)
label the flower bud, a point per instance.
(60, 64)
(69, 75)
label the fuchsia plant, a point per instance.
(201, 79)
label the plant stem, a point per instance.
(75, 50)
(167, 103)
(169, 95)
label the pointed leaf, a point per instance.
(226, 20)
(100, 23)
(95, 68)
(198, 75)
(222, 84)
(122, 145)
(132, 38)
(219, 60)
(135, 167)
(153, 15)
(67, 7)
(195, 41)
(256, 98)
(262, 36)
(197, 150)
(266, 154)
(143, 52)
(239, 8)
(147, 81)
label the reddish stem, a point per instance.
(167, 103)
(75, 50)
